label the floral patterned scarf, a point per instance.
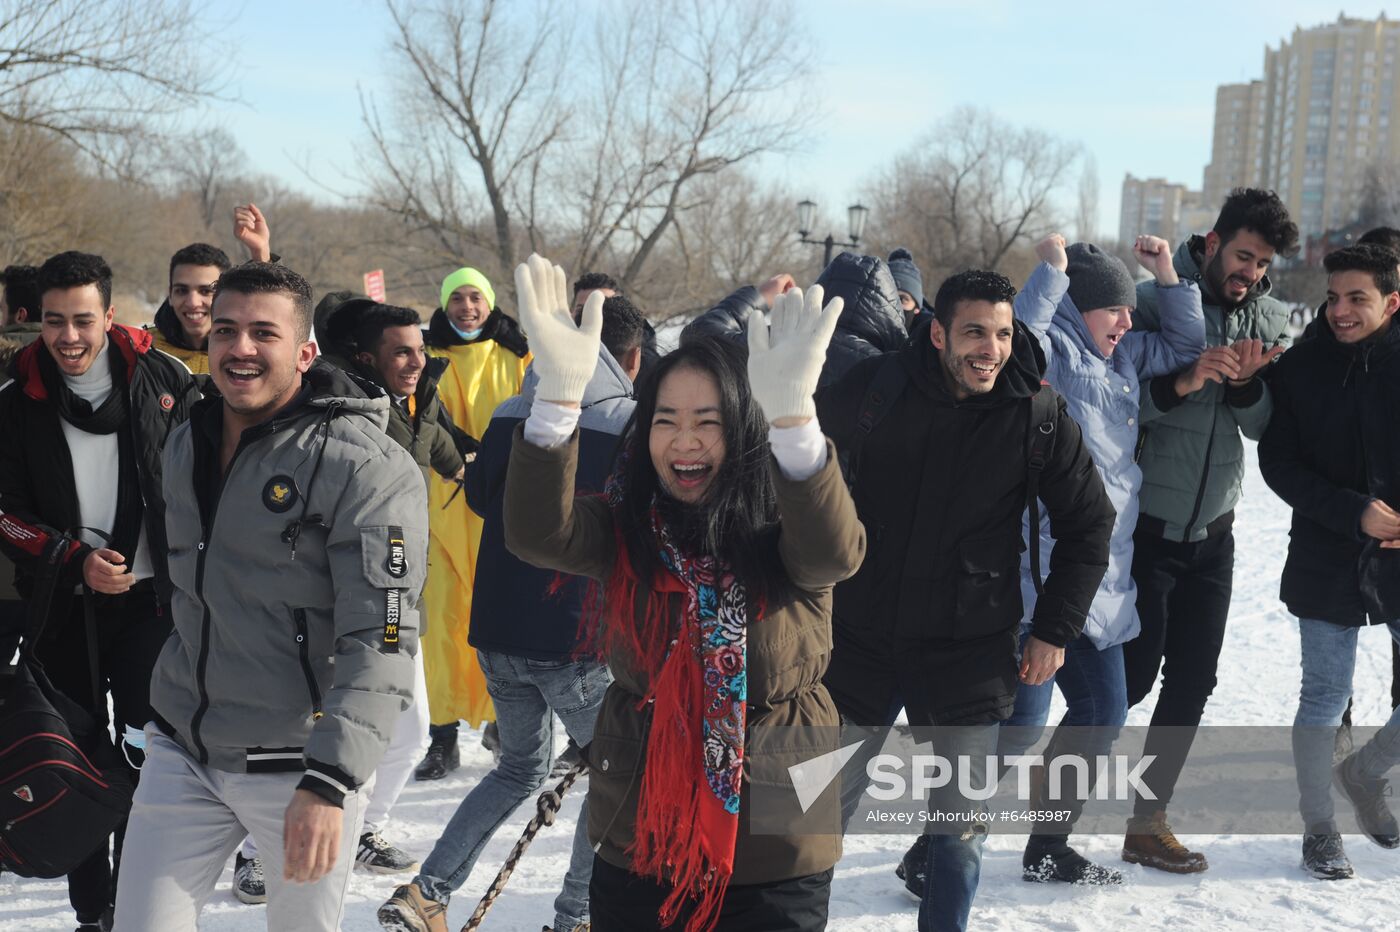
(688, 807)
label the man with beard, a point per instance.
(298, 544)
(84, 421)
(1193, 466)
(488, 356)
(931, 621)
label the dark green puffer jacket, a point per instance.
(1190, 450)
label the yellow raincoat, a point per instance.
(481, 376)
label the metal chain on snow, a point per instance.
(546, 807)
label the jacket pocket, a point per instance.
(303, 639)
(394, 557)
(988, 586)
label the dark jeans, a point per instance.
(1183, 602)
(620, 901)
(131, 628)
(954, 860)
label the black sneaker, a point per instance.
(441, 759)
(1057, 862)
(378, 856)
(1368, 798)
(1324, 858)
(913, 866)
(248, 883)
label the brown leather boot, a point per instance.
(408, 910)
(1150, 842)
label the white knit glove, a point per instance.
(786, 355)
(566, 354)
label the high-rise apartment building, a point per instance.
(1150, 205)
(1315, 123)
(1237, 143)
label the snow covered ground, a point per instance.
(1254, 881)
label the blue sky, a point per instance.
(1134, 82)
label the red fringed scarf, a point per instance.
(688, 808)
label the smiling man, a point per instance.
(488, 355)
(182, 324)
(1193, 464)
(1330, 453)
(84, 420)
(930, 623)
(298, 543)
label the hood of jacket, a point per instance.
(1021, 377)
(609, 383)
(168, 323)
(132, 342)
(1189, 262)
(498, 327)
(1069, 320)
(872, 312)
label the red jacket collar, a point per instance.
(132, 341)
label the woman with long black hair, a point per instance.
(714, 562)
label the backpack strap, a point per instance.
(887, 385)
(1040, 444)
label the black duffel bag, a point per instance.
(64, 787)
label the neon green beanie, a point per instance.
(465, 276)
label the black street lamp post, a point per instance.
(855, 218)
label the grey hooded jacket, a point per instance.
(296, 588)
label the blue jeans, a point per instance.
(525, 693)
(1095, 688)
(1329, 661)
(955, 861)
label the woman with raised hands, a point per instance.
(714, 562)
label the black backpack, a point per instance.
(888, 384)
(63, 785)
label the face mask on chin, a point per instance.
(465, 334)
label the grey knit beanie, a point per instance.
(1097, 279)
(906, 275)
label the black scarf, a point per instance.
(111, 417)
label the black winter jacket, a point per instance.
(1331, 446)
(871, 323)
(517, 608)
(38, 493)
(941, 492)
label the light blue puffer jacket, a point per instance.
(1102, 395)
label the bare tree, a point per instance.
(475, 84)
(693, 90)
(599, 171)
(735, 230)
(1086, 217)
(97, 72)
(971, 191)
(207, 165)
